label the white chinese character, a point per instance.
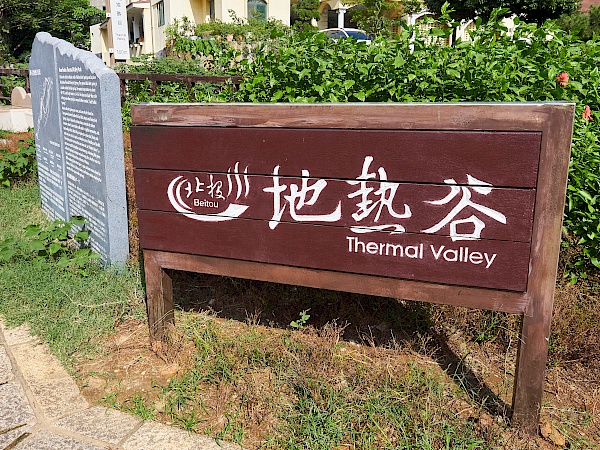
(189, 189)
(233, 210)
(384, 198)
(481, 187)
(215, 188)
(297, 199)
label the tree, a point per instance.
(306, 10)
(537, 11)
(582, 24)
(377, 17)
(65, 19)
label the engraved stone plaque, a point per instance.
(79, 142)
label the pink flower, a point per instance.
(230, 37)
(587, 113)
(563, 78)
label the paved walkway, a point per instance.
(41, 408)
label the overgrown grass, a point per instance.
(264, 387)
(310, 390)
(63, 308)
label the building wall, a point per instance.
(153, 38)
(585, 4)
(279, 9)
(99, 42)
(100, 4)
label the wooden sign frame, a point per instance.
(554, 123)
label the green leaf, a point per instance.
(453, 73)
(7, 253)
(585, 194)
(36, 246)
(32, 230)
(82, 235)
(63, 262)
(54, 247)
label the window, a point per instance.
(257, 9)
(160, 13)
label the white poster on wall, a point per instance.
(119, 29)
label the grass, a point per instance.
(375, 384)
(308, 390)
(66, 310)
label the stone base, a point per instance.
(16, 119)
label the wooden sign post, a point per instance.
(458, 204)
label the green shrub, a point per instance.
(19, 165)
(170, 64)
(60, 243)
(582, 24)
(491, 66)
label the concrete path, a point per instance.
(41, 408)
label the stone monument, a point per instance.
(79, 142)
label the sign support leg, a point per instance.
(531, 365)
(159, 296)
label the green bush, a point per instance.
(148, 64)
(491, 67)
(582, 24)
(19, 165)
(533, 64)
(9, 82)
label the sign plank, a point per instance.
(412, 208)
(478, 263)
(508, 159)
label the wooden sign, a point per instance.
(449, 203)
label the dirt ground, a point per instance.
(128, 367)
(11, 140)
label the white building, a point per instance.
(147, 21)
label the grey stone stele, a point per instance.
(76, 106)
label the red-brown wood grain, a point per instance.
(508, 159)
(510, 302)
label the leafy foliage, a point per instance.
(57, 243)
(377, 17)
(65, 19)
(9, 82)
(582, 24)
(528, 10)
(253, 29)
(169, 64)
(306, 10)
(300, 323)
(18, 165)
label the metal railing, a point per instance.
(154, 78)
(157, 78)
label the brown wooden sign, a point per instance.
(458, 204)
